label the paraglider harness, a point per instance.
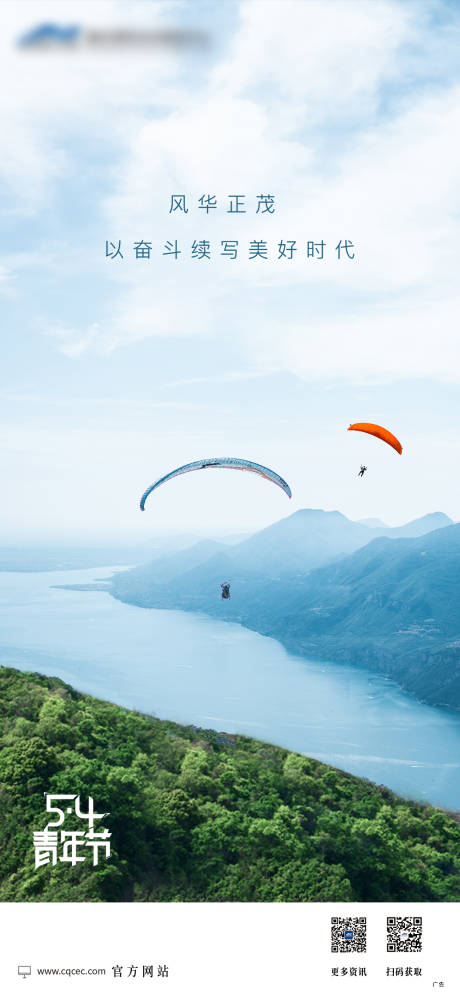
(225, 586)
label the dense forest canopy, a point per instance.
(201, 816)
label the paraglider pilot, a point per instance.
(361, 471)
(225, 590)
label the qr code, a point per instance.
(404, 934)
(348, 934)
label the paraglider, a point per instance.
(225, 586)
(235, 463)
(380, 432)
(361, 471)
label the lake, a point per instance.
(196, 670)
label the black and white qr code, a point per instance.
(404, 934)
(348, 934)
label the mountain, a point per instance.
(300, 542)
(392, 605)
(418, 527)
(294, 545)
(311, 537)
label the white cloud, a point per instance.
(325, 59)
(74, 342)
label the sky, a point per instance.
(113, 371)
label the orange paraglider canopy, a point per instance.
(383, 434)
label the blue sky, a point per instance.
(115, 371)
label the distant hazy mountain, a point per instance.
(295, 545)
(418, 527)
(300, 542)
(393, 604)
(311, 537)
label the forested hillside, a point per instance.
(201, 816)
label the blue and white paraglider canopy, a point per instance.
(234, 463)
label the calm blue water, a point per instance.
(195, 670)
